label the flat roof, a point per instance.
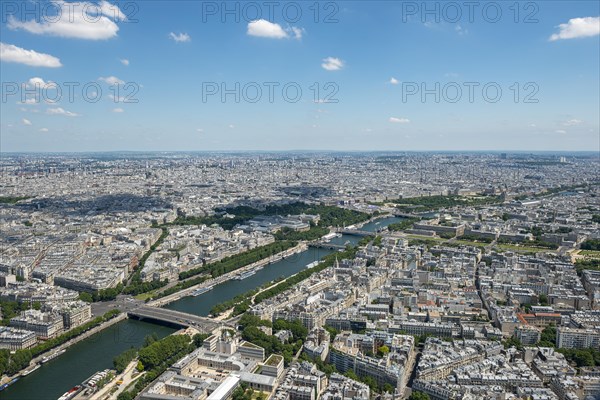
(250, 345)
(225, 388)
(273, 360)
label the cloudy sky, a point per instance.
(344, 75)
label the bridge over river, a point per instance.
(356, 232)
(178, 318)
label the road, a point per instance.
(123, 303)
(126, 376)
(202, 324)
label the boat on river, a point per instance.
(200, 291)
(52, 356)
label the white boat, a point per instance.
(71, 393)
(52, 356)
(329, 236)
(200, 291)
(245, 275)
(312, 264)
(93, 380)
(28, 371)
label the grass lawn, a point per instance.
(523, 249)
(470, 243)
(144, 296)
(590, 253)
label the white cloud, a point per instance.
(29, 101)
(266, 29)
(199, 130)
(577, 28)
(36, 81)
(111, 80)
(12, 53)
(332, 64)
(124, 61)
(30, 110)
(572, 122)
(117, 99)
(561, 131)
(26, 122)
(44, 130)
(460, 30)
(394, 81)
(180, 38)
(395, 120)
(118, 110)
(61, 111)
(297, 32)
(231, 126)
(79, 20)
(39, 83)
(111, 10)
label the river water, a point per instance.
(82, 360)
(85, 358)
(201, 305)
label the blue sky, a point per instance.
(372, 54)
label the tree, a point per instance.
(548, 336)
(124, 396)
(513, 342)
(199, 339)
(140, 366)
(238, 393)
(383, 351)
(371, 382)
(419, 396)
(591, 244)
(332, 332)
(149, 339)
(351, 375)
(4, 360)
(121, 361)
(388, 388)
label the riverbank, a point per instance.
(228, 276)
(82, 360)
(95, 354)
(36, 360)
(372, 219)
(225, 315)
(299, 248)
